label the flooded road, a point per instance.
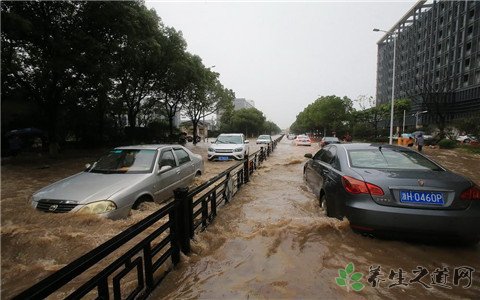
(272, 241)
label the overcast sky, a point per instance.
(284, 55)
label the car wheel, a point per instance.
(324, 205)
(140, 200)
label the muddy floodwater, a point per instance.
(271, 241)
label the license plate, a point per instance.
(434, 198)
(223, 158)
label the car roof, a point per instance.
(230, 134)
(146, 147)
(367, 146)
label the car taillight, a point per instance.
(355, 186)
(472, 193)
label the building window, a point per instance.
(467, 62)
(471, 14)
(468, 47)
(465, 80)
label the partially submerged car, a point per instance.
(326, 140)
(383, 188)
(264, 139)
(302, 140)
(229, 146)
(121, 180)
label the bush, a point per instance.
(447, 144)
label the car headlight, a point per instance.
(211, 149)
(99, 207)
(238, 150)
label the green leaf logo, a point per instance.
(349, 279)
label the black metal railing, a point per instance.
(145, 252)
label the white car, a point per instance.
(466, 138)
(302, 140)
(229, 146)
(264, 139)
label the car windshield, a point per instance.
(331, 139)
(302, 137)
(125, 161)
(229, 139)
(264, 137)
(390, 159)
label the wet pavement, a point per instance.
(271, 241)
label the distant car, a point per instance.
(302, 140)
(466, 139)
(291, 136)
(121, 180)
(264, 139)
(329, 140)
(229, 146)
(384, 188)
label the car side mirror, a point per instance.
(164, 169)
(247, 141)
(308, 155)
(87, 166)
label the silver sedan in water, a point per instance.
(121, 180)
(382, 188)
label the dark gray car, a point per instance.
(382, 188)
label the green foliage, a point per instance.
(470, 125)
(447, 144)
(249, 121)
(87, 65)
(330, 113)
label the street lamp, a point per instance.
(393, 80)
(416, 117)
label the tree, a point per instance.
(205, 94)
(170, 92)
(141, 59)
(40, 42)
(330, 113)
(249, 121)
(271, 128)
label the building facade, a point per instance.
(437, 61)
(241, 103)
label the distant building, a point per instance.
(238, 103)
(437, 53)
(241, 103)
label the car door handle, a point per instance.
(178, 172)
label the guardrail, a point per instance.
(146, 252)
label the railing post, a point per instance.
(204, 213)
(213, 204)
(246, 170)
(182, 219)
(173, 216)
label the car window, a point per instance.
(126, 161)
(318, 155)
(329, 155)
(182, 156)
(390, 159)
(167, 159)
(230, 139)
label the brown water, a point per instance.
(271, 241)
